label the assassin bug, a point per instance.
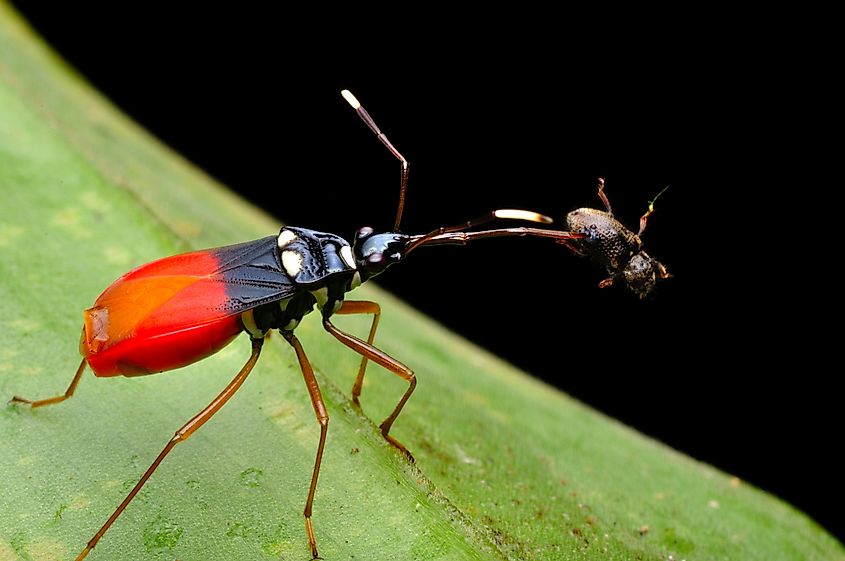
(608, 242)
(181, 309)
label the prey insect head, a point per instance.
(642, 273)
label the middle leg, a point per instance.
(383, 359)
(361, 307)
(323, 419)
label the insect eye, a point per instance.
(376, 262)
(591, 232)
(363, 233)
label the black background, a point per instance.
(728, 361)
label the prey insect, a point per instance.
(181, 309)
(608, 242)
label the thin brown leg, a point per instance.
(323, 419)
(385, 360)
(644, 217)
(361, 307)
(603, 197)
(181, 435)
(59, 398)
(606, 282)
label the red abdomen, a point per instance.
(160, 316)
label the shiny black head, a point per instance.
(376, 252)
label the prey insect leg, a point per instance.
(644, 217)
(603, 197)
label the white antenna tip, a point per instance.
(522, 215)
(351, 99)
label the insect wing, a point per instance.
(184, 291)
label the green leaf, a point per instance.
(507, 468)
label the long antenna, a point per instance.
(442, 233)
(356, 105)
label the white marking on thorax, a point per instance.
(348, 258)
(285, 237)
(292, 262)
